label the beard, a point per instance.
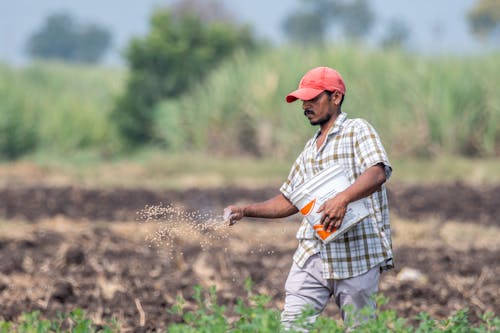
(320, 121)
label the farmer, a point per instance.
(347, 268)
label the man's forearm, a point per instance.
(277, 207)
(367, 183)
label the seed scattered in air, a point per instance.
(177, 226)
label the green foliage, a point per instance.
(253, 314)
(75, 322)
(17, 129)
(209, 317)
(61, 37)
(178, 51)
(420, 107)
(56, 107)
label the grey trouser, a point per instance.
(306, 288)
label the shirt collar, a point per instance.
(336, 126)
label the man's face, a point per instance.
(319, 110)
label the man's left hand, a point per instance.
(333, 212)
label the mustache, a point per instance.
(308, 112)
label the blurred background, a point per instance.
(108, 106)
(210, 76)
(431, 28)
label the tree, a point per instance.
(484, 19)
(307, 28)
(309, 25)
(61, 37)
(207, 11)
(396, 35)
(356, 18)
(179, 51)
(93, 42)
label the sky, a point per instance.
(437, 26)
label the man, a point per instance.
(347, 268)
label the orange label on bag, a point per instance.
(306, 210)
(322, 233)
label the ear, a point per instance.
(337, 98)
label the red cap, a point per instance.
(315, 82)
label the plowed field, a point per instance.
(67, 247)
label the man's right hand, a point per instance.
(233, 214)
(276, 207)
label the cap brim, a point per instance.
(303, 94)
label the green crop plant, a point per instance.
(75, 322)
(253, 314)
(421, 107)
(56, 107)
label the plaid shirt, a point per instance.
(355, 145)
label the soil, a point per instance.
(447, 201)
(62, 248)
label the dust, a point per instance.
(176, 226)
